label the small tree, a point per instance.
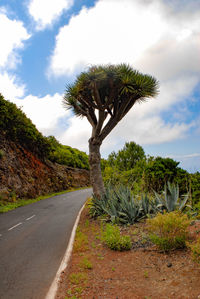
(128, 157)
(105, 94)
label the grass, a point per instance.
(195, 250)
(78, 278)
(86, 264)
(8, 206)
(81, 241)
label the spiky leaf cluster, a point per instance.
(108, 91)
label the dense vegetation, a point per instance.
(152, 188)
(144, 174)
(16, 126)
(67, 155)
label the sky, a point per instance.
(45, 44)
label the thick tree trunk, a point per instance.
(95, 167)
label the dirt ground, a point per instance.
(97, 272)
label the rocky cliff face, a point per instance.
(23, 175)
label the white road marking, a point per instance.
(15, 225)
(0, 235)
(30, 217)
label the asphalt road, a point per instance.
(33, 240)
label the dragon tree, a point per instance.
(104, 95)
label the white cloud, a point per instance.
(44, 12)
(153, 36)
(137, 32)
(190, 162)
(10, 88)
(77, 134)
(111, 32)
(185, 156)
(12, 36)
(44, 112)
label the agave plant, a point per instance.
(118, 204)
(170, 200)
(148, 207)
(97, 206)
(130, 210)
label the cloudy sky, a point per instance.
(46, 43)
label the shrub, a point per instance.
(111, 236)
(168, 231)
(195, 248)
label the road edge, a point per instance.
(54, 286)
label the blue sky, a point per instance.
(46, 43)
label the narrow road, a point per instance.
(33, 240)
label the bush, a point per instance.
(111, 236)
(195, 248)
(168, 231)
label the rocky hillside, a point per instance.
(26, 171)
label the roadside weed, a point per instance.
(195, 249)
(87, 223)
(93, 245)
(77, 278)
(85, 264)
(81, 241)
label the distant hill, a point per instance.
(31, 164)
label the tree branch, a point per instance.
(108, 128)
(87, 102)
(97, 97)
(92, 116)
(100, 122)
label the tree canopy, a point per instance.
(128, 157)
(111, 90)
